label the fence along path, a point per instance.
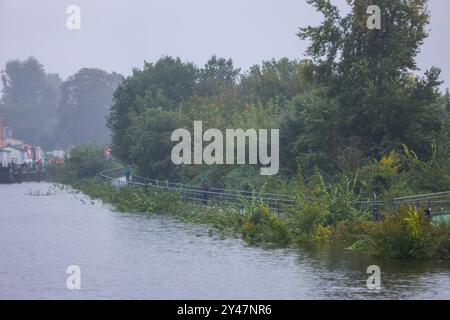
(437, 203)
(275, 202)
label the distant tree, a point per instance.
(86, 98)
(29, 101)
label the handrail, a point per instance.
(274, 201)
(428, 195)
(196, 193)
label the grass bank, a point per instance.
(322, 214)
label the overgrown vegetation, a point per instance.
(408, 234)
(323, 213)
(353, 107)
(253, 220)
(356, 120)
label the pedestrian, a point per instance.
(205, 193)
(127, 173)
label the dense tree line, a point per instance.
(44, 110)
(356, 121)
(171, 94)
(356, 106)
(356, 100)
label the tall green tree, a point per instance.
(371, 75)
(161, 85)
(29, 101)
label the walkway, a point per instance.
(438, 203)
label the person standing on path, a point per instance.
(127, 173)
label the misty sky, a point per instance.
(118, 35)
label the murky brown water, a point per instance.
(126, 256)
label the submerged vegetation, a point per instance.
(409, 234)
(323, 213)
(357, 123)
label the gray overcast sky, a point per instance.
(118, 35)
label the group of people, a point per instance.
(15, 171)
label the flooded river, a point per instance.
(43, 230)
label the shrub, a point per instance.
(352, 230)
(384, 178)
(321, 208)
(86, 160)
(408, 234)
(263, 226)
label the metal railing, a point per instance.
(437, 203)
(275, 202)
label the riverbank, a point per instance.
(255, 224)
(321, 214)
(406, 234)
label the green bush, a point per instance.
(353, 230)
(409, 234)
(384, 178)
(263, 226)
(320, 208)
(150, 200)
(83, 162)
(86, 160)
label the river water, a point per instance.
(43, 230)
